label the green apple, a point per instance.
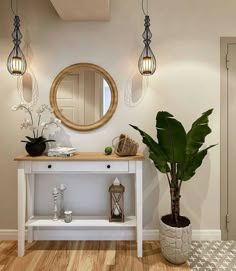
(108, 150)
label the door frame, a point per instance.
(224, 43)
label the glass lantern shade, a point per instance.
(147, 64)
(16, 62)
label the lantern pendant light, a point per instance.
(147, 60)
(16, 62)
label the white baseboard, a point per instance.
(209, 235)
(9, 234)
(197, 235)
(103, 234)
(151, 234)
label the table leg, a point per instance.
(139, 206)
(21, 210)
(30, 203)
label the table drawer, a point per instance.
(83, 166)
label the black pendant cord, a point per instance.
(144, 10)
(16, 35)
(147, 40)
(15, 13)
(147, 33)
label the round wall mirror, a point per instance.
(84, 96)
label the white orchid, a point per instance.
(26, 124)
(14, 107)
(38, 129)
(53, 120)
(44, 108)
(56, 120)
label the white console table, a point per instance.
(80, 163)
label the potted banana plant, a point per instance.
(177, 154)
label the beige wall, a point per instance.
(186, 42)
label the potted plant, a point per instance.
(176, 154)
(36, 144)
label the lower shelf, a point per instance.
(80, 221)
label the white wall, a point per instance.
(186, 42)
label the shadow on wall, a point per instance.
(196, 189)
(135, 89)
(61, 137)
(27, 85)
(151, 193)
(155, 191)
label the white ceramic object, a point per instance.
(62, 189)
(175, 242)
(68, 216)
(116, 181)
(55, 196)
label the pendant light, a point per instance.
(147, 60)
(16, 62)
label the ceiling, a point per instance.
(81, 10)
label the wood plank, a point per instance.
(74, 256)
(47, 258)
(82, 156)
(61, 258)
(88, 257)
(85, 255)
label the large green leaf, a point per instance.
(156, 154)
(191, 164)
(196, 136)
(171, 136)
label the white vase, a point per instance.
(175, 242)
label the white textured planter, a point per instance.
(175, 242)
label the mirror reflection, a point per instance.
(83, 97)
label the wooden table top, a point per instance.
(81, 156)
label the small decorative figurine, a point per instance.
(116, 201)
(55, 196)
(62, 188)
(116, 181)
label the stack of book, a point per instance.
(62, 151)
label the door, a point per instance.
(68, 97)
(228, 138)
(80, 96)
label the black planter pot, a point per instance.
(35, 149)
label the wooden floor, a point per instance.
(84, 256)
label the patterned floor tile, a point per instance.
(213, 256)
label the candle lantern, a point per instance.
(117, 203)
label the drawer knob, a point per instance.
(108, 166)
(49, 166)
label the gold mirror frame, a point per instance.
(110, 82)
